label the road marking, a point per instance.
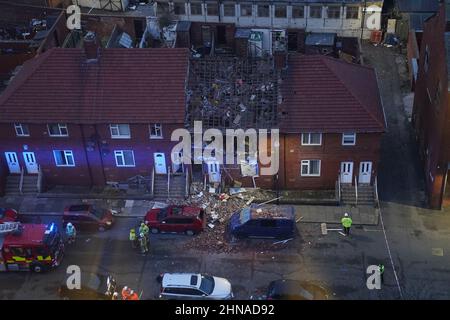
(390, 255)
(437, 252)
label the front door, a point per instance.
(346, 172)
(13, 162)
(160, 163)
(30, 162)
(365, 172)
(214, 171)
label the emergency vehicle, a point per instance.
(35, 247)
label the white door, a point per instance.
(346, 172)
(214, 171)
(365, 172)
(177, 167)
(30, 162)
(13, 162)
(160, 163)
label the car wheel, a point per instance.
(38, 268)
(190, 232)
(101, 228)
(154, 230)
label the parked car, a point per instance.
(194, 286)
(263, 222)
(93, 287)
(285, 289)
(8, 215)
(190, 220)
(85, 216)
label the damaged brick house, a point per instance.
(92, 116)
(431, 106)
(329, 113)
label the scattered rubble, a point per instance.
(218, 209)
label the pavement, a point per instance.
(361, 215)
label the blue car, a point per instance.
(263, 222)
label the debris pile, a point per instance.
(218, 209)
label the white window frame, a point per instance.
(229, 4)
(334, 7)
(346, 135)
(61, 126)
(308, 163)
(246, 4)
(212, 5)
(298, 6)
(309, 139)
(117, 128)
(201, 8)
(280, 6)
(19, 127)
(66, 154)
(321, 12)
(156, 126)
(120, 153)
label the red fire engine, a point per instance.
(36, 247)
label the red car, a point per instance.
(8, 215)
(85, 216)
(190, 220)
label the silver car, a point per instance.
(194, 286)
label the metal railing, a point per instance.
(204, 181)
(39, 180)
(168, 182)
(339, 188)
(22, 174)
(152, 187)
(356, 191)
(187, 187)
(377, 200)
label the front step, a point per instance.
(366, 195)
(29, 185)
(177, 187)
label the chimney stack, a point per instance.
(91, 46)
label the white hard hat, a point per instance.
(131, 292)
(69, 224)
(346, 214)
(125, 288)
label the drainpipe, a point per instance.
(83, 138)
(97, 136)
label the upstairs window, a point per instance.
(263, 10)
(212, 9)
(298, 12)
(22, 130)
(156, 131)
(311, 139)
(120, 131)
(179, 8)
(246, 10)
(196, 8)
(57, 130)
(315, 12)
(334, 12)
(348, 139)
(352, 13)
(229, 10)
(280, 11)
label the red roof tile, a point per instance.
(124, 85)
(323, 94)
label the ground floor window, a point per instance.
(310, 168)
(64, 158)
(124, 158)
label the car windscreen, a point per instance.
(244, 216)
(162, 214)
(207, 284)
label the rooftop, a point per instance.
(323, 94)
(133, 85)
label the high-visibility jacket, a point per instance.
(125, 294)
(132, 235)
(143, 229)
(381, 268)
(346, 222)
(133, 296)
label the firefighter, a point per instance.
(71, 233)
(133, 238)
(133, 296)
(144, 229)
(125, 293)
(143, 242)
